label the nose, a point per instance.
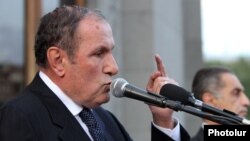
(245, 100)
(111, 66)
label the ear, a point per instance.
(208, 98)
(56, 60)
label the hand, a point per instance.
(161, 116)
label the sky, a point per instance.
(225, 29)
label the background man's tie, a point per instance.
(94, 128)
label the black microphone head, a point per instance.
(117, 87)
(176, 93)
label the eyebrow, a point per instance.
(238, 89)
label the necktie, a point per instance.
(94, 128)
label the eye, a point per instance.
(100, 52)
(236, 92)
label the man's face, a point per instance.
(232, 96)
(90, 73)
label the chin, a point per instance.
(243, 115)
(103, 100)
(106, 99)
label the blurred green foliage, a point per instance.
(241, 67)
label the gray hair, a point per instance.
(208, 80)
(58, 28)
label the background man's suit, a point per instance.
(38, 114)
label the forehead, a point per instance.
(93, 33)
(93, 26)
(230, 80)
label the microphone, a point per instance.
(177, 93)
(121, 88)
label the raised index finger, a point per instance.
(160, 65)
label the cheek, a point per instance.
(91, 73)
(88, 79)
(87, 69)
(222, 103)
(229, 105)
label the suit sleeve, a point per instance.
(14, 126)
(157, 135)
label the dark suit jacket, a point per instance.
(39, 115)
(199, 136)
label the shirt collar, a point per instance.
(73, 107)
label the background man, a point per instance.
(220, 88)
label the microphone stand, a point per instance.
(177, 106)
(225, 113)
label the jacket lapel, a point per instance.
(60, 115)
